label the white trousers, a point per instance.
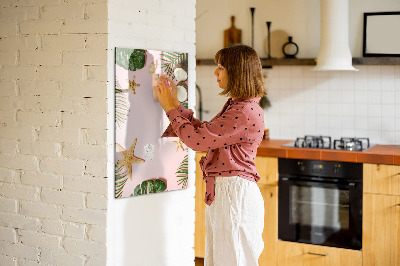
(234, 223)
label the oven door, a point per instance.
(321, 212)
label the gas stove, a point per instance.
(325, 142)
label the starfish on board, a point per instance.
(133, 85)
(179, 145)
(128, 157)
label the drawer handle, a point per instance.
(318, 254)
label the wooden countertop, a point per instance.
(379, 154)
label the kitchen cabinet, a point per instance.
(381, 215)
(200, 207)
(291, 253)
(381, 179)
(270, 233)
(267, 167)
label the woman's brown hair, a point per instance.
(245, 78)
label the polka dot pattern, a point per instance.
(231, 138)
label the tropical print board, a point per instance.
(145, 163)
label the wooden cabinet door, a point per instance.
(200, 207)
(270, 233)
(298, 254)
(381, 230)
(381, 179)
(267, 168)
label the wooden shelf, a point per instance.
(312, 61)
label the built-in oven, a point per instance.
(320, 202)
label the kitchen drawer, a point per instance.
(267, 168)
(381, 179)
(298, 254)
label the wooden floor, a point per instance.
(199, 262)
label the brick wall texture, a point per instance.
(53, 112)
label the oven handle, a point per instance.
(297, 181)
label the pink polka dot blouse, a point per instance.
(231, 139)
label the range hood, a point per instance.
(334, 51)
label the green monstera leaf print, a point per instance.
(182, 172)
(130, 59)
(121, 105)
(150, 186)
(121, 176)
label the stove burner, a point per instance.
(351, 144)
(308, 141)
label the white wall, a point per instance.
(338, 104)
(153, 229)
(299, 18)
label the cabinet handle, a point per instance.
(318, 254)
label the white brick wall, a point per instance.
(53, 73)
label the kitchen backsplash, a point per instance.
(338, 104)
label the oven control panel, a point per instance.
(331, 169)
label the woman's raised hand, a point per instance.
(174, 91)
(165, 94)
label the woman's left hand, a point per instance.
(164, 96)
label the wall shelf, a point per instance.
(312, 61)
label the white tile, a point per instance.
(388, 137)
(297, 83)
(298, 120)
(348, 123)
(387, 72)
(285, 83)
(361, 97)
(335, 95)
(347, 109)
(374, 84)
(308, 72)
(286, 120)
(388, 110)
(334, 81)
(334, 109)
(388, 124)
(397, 72)
(361, 123)
(322, 109)
(374, 123)
(348, 132)
(296, 71)
(397, 84)
(285, 132)
(322, 121)
(285, 71)
(388, 97)
(322, 96)
(388, 84)
(335, 122)
(361, 110)
(374, 110)
(310, 108)
(322, 83)
(348, 96)
(360, 133)
(397, 134)
(375, 136)
(310, 95)
(374, 97)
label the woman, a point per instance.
(235, 207)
